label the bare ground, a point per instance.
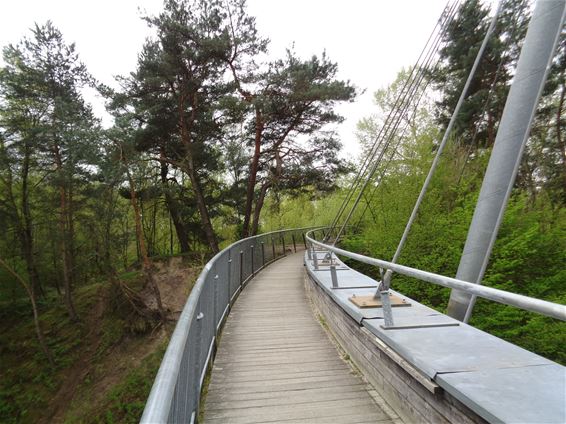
(89, 379)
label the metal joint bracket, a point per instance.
(385, 282)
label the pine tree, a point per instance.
(483, 106)
(48, 126)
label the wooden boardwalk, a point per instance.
(275, 363)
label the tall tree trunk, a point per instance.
(154, 247)
(559, 138)
(31, 294)
(203, 210)
(63, 246)
(490, 129)
(258, 206)
(173, 208)
(26, 230)
(71, 231)
(146, 263)
(252, 179)
(195, 183)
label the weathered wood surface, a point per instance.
(275, 363)
(412, 396)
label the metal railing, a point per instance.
(527, 303)
(175, 394)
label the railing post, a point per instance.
(315, 259)
(386, 307)
(304, 241)
(294, 243)
(252, 249)
(309, 253)
(196, 363)
(333, 276)
(262, 253)
(215, 302)
(241, 268)
(229, 277)
(273, 247)
(283, 243)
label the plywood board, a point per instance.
(372, 302)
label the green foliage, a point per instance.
(528, 257)
(485, 99)
(27, 383)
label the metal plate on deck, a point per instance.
(532, 394)
(371, 302)
(450, 349)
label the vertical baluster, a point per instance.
(241, 268)
(252, 249)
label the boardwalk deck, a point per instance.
(275, 363)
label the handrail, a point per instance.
(175, 393)
(527, 303)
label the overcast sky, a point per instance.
(369, 39)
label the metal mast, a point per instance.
(532, 68)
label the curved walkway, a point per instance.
(275, 363)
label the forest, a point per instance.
(106, 228)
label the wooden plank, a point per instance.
(413, 395)
(275, 362)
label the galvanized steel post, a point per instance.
(532, 68)
(229, 275)
(241, 267)
(273, 246)
(196, 359)
(262, 253)
(283, 243)
(215, 300)
(304, 240)
(294, 244)
(252, 255)
(333, 276)
(315, 259)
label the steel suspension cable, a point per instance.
(390, 128)
(434, 165)
(395, 149)
(448, 14)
